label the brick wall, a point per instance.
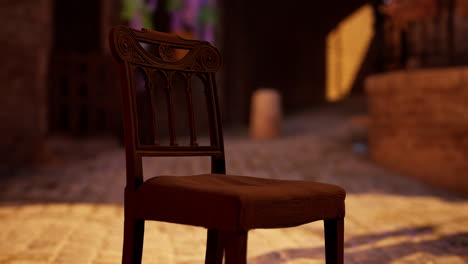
(419, 124)
(24, 43)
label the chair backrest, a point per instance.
(162, 58)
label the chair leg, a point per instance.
(235, 247)
(133, 241)
(334, 239)
(214, 247)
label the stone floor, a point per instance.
(70, 211)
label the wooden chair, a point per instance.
(227, 205)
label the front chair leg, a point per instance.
(334, 239)
(235, 246)
(214, 247)
(133, 241)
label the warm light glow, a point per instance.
(346, 49)
(380, 227)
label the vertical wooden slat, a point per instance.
(217, 117)
(67, 75)
(191, 115)
(143, 105)
(210, 108)
(149, 87)
(170, 108)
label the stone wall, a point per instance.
(419, 124)
(24, 43)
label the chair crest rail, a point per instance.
(201, 56)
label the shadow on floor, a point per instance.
(454, 245)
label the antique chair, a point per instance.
(227, 205)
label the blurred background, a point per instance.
(58, 77)
(368, 95)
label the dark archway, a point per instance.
(280, 45)
(81, 88)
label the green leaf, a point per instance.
(130, 8)
(147, 18)
(208, 15)
(173, 5)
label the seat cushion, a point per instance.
(237, 202)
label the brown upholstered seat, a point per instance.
(227, 205)
(238, 202)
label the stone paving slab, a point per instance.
(72, 212)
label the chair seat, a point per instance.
(232, 202)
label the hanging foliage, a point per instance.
(137, 10)
(173, 5)
(196, 18)
(208, 15)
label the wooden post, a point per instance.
(265, 115)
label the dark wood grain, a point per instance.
(214, 247)
(191, 115)
(334, 230)
(236, 246)
(133, 240)
(228, 230)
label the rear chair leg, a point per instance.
(334, 238)
(214, 247)
(133, 241)
(235, 247)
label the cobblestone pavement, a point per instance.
(71, 211)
